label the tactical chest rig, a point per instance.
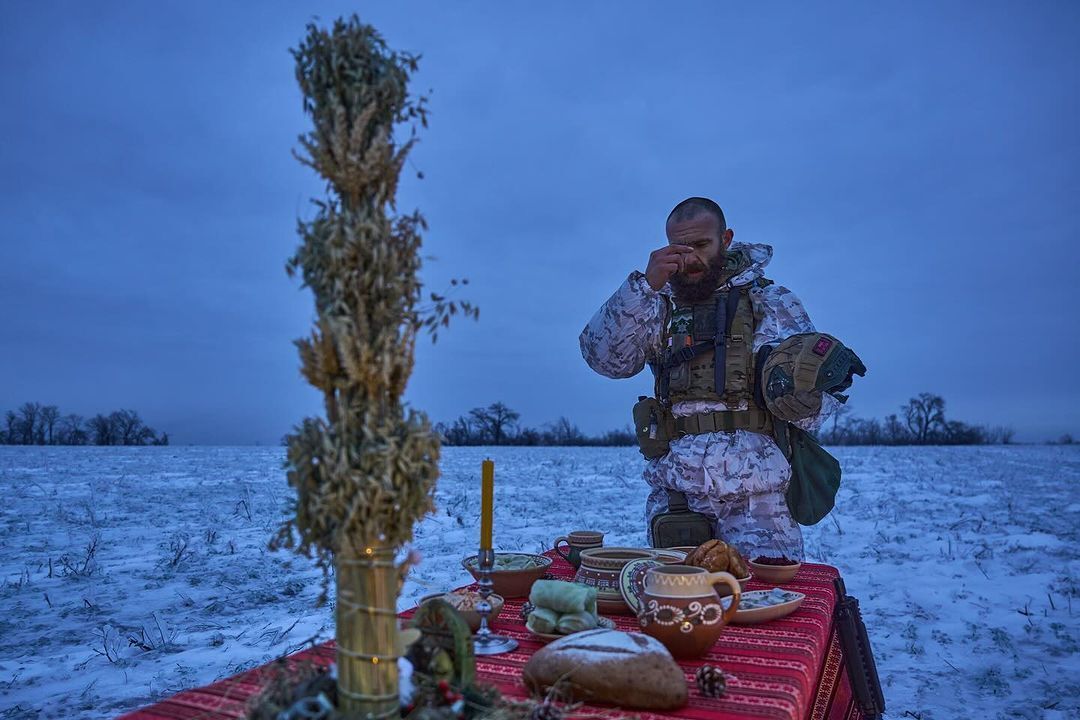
(708, 356)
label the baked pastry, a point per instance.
(718, 556)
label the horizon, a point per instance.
(915, 170)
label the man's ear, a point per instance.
(727, 237)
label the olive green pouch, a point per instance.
(679, 526)
(654, 426)
(815, 475)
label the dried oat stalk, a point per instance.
(366, 472)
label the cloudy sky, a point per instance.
(916, 167)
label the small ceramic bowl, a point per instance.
(512, 583)
(774, 574)
(467, 608)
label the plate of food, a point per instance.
(602, 623)
(758, 606)
(465, 601)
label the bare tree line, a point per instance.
(497, 424)
(921, 421)
(37, 424)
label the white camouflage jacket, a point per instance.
(717, 471)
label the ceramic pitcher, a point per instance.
(681, 608)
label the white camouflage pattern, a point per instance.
(737, 478)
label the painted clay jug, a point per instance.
(681, 608)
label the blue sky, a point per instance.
(915, 166)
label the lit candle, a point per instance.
(487, 502)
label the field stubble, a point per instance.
(128, 574)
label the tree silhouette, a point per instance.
(496, 421)
(925, 415)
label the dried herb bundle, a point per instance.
(366, 473)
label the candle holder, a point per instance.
(486, 642)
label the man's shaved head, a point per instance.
(692, 207)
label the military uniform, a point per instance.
(738, 477)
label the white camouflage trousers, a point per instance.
(738, 480)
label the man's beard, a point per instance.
(703, 289)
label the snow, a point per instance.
(129, 574)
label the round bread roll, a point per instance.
(718, 556)
(736, 564)
(711, 555)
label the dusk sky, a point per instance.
(916, 167)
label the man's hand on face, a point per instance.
(667, 261)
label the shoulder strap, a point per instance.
(727, 304)
(676, 501)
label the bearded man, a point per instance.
(702, 315)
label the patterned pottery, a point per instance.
(576, 542)
(632, 581)
(775, 574)
(681, 608)
(512, 583)
(600, 568)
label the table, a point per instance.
(788, 669)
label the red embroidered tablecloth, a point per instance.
(788, 669)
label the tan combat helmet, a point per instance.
(801, 368)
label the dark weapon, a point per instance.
(858, 657)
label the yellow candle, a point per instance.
(487, 502)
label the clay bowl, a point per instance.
(464, 601)
(774, 574)
(512, 583)
(601, 567)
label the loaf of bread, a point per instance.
(606, 666)
(718, 556)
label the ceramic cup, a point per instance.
(681, 608)
(576, 542)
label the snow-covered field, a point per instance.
(130, 574)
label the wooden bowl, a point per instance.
(512, 583)
(774, 574)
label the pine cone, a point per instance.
(545, 711)
(711, 681)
